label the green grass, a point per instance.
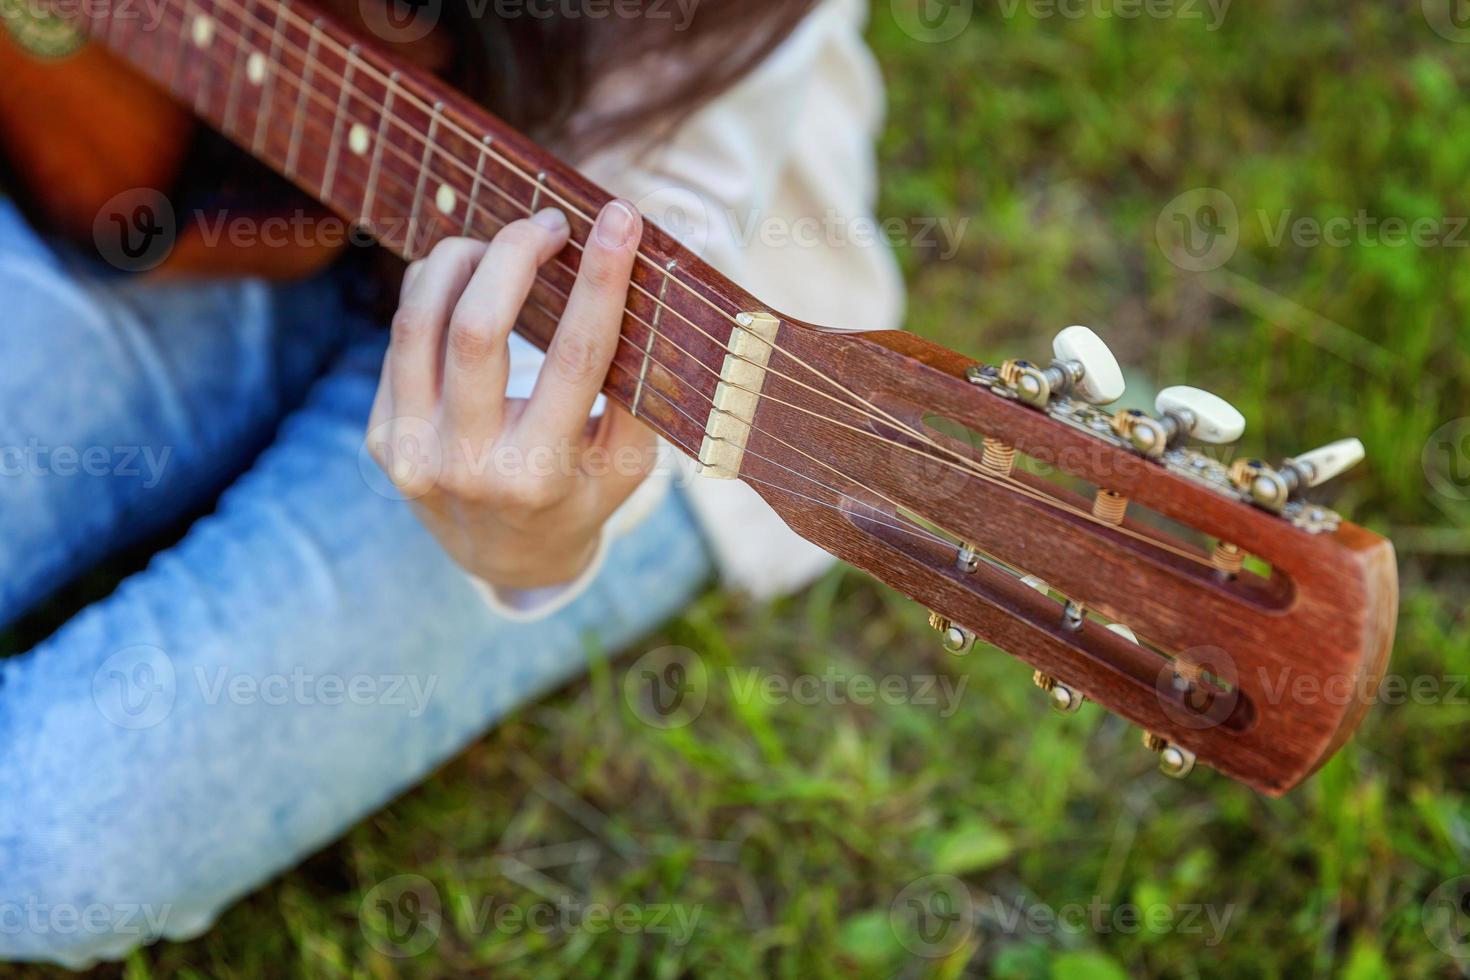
(793, 828)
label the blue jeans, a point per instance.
(303, 654)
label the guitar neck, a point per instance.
(394, 151)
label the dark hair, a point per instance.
(534, 63)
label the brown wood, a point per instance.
(834, 447)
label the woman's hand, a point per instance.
(516, 491)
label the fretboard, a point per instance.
(403, 156)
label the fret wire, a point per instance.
(181, 49)
(335, 149)
(385, 112)
(232, 100)
(469, 211)
(658, 310)
(411, 244)
(267, 89)
(536, 197)
(308, 65)
(202, 96)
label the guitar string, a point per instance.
(968, 464)
(244, 12)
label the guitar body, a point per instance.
(78, 127)
(82, 128)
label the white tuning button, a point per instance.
(1123, 631)
(1206, 417)
(1321, 465)
(1101, 380)
(1036, 583)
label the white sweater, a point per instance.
(773, 184)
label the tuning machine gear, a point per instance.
(1082, 366)
(1272, 488)
(1183, 413)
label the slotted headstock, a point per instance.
(1202, 598)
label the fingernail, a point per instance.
(615, 225)
(552, 219)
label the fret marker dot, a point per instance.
(446, 199)
(358, 139)
(255, 68)
(203, 31)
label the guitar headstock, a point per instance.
(1130, 558)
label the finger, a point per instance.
(582, 349)
(622, 454)
(476, 360)
(418, 327)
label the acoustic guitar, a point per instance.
(1236, 621)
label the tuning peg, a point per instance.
(1063, 699)
(1175, 761)
(1082, 366)
(1272, 488)
(1184, 413)
(957, 639)
(1097, 379)
(1320, 465)
(1123, 631)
